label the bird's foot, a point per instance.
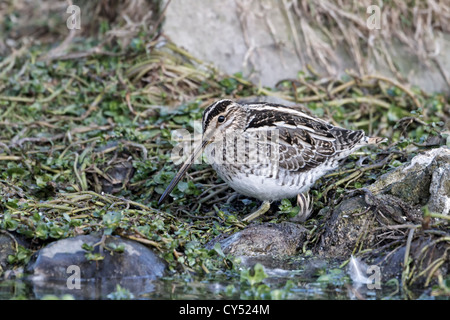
(265, 206)
(304, 201)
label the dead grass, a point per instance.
(323, 30)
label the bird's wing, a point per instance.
(304, 142)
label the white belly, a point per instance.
(264, 188)
(267, 183)
(268, 188)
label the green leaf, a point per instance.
(112, 218)
(120, 294)
(42, 231)
(183, 186)
(94, 256)
(253, 275)
(217, 248)
(87, 247)
(56, 232)
(12, 203)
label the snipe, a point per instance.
(270, 152)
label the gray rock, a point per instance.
(137, 260)
(360, 220)
(9, 244)
(440, 184)
(381, 214)
(53, 269)
(347, 224)
(423, 253)
(7, 247)
(425, 180)
(268, 44)
(265, 239)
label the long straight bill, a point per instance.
(183, 169)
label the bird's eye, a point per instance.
(221, 119)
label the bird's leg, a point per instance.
(304, 201)
(265, 206)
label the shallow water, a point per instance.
(309, 279)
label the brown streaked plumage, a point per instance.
(269, 151)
